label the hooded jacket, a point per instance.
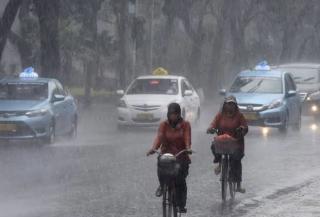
(228, 125)
(174, 139)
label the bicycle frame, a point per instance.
(169, 206)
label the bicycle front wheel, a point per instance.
(173, 210)
(165, 201)
(224, 178)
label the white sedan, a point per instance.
(145, 101)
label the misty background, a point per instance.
(97, 46)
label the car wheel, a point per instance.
(73, 132)
(284, 127)
(297, 126)
(51, 137)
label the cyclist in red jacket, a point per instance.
(231, 121)
(174, 135)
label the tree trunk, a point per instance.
(216, 67)
(6, 22)
(287, 42)
(48, 14)
(123, 43)
(24, 49)
(90, 25)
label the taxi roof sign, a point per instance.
(262, 66)
(160, 71)
(28, 73)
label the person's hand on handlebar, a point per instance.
(240, 131)
(151, 152)
(189, 151)
(212, 131)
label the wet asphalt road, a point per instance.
(105, 172)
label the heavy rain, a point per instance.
(97, 95)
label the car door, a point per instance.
(296, 99)
(291, 99)
(67, 112)
(194, 99)
(57, 109)
(186, 99)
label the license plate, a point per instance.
(145, 116)
(8, 127)
(251, 116)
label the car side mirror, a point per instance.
(222, 92)
(291, 93)
(188, 93)
(57, 98)
(120, 92)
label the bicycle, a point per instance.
(168, 169)
(226, 149)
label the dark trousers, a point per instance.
(181, 184)
(235, 164)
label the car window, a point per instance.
(304, 75)
(185, 86)
(154, 86)
(60, 89)
(23, 91)
(292, 85)
(251, 84)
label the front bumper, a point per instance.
(132, 117)
(23, 127)
(267, 118)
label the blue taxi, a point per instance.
(35, 108)
(267, 98)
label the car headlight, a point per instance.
(275, 104)
(314, 96)
(35, 113)
(122, 104)
(314, 108)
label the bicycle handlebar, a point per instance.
(179, 153)
(212, 131)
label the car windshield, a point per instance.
(251, 84)
(23, 91)
(154, 86)
(304, 75)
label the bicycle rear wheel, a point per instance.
(224, 178)
(232, 188)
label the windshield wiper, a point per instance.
(253, 89)
(309, 79)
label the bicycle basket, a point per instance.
(167, 166)
(225, 145)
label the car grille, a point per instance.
(145, 107)
(21, 129)
(251, 107)
(303, 96)
(8, 114)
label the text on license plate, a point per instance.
(145, 116)
(251, 116)
(7, 127)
